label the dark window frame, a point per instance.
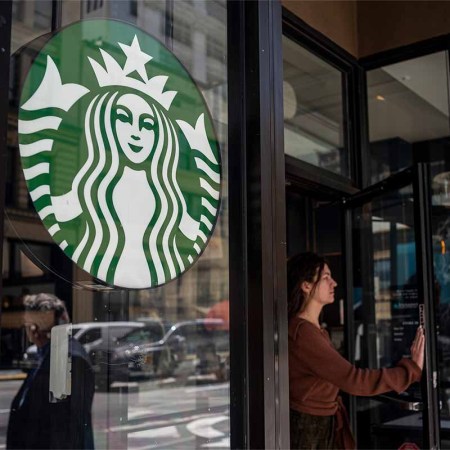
(303, 175)
(5, 46)
(319, 45)
(405, 53)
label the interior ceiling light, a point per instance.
(380, 98)
(442, 178)
(442, 187)
(289, 101)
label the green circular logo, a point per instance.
(119, 154)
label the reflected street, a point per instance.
(156, 414)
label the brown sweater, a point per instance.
(317, 372)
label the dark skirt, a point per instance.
(311, 432)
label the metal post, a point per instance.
(56, 14)
(424, 251)
(5, 45)
(258, 341)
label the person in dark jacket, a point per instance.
(37, 420)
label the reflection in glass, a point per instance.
(440, 219)
(29, 20)
(313, 110)
(54, 402)
(160, 357)
(386, 312)
(408, 112)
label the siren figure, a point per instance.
(133, 224)
(130, 173)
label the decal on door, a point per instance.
(119, 154)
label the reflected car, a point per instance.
(90, 334)
(196, 347)
(206, 348)
(142, 352)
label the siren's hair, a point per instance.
(102, 243)
(160, 236)
(95, 183)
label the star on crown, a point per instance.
(114, 75)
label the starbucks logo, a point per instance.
(119, 154)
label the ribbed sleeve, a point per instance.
(321, 360)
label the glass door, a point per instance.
(389, 264)
(439, 180)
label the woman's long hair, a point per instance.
(103, 240)
(300, 268)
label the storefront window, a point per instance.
(30, 20)
(408, 112)
(133, 366)
(440, 181)
(385, 311)
(313, 110)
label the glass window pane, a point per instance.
(314, 128)
(143, 378)
(30, 20)
(408, 112)
(440, 220)
(386, 313)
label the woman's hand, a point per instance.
(418, 348)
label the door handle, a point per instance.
(401, 403)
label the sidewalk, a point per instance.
(7, 375)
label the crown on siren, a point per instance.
(114, 75)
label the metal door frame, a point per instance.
(417, 176)
(258, 340)
(5, 46)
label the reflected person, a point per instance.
(36, 422)
(317, 371)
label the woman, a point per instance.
(317, 371)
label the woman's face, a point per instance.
(324, 291)
(135, 127)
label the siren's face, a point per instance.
(135, 126)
